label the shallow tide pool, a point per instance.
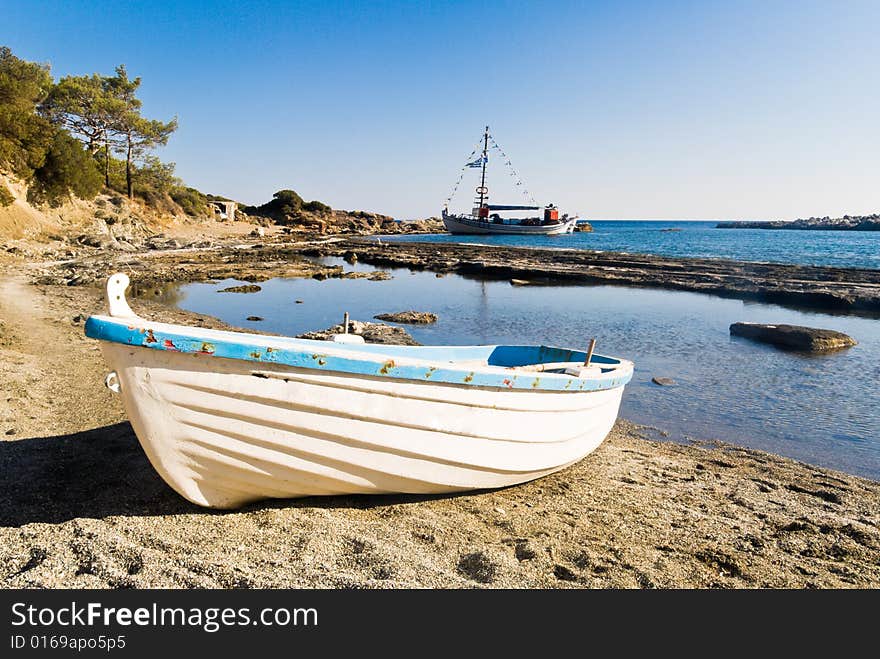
(821, 409)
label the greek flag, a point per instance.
(479, 162)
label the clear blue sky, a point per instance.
(749, 109)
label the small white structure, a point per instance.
(224, 210)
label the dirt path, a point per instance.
(47, 364)
(80, 505)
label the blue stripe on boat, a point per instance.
(378, 359)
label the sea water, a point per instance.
(823, 409)
(849, 249)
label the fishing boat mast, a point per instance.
(482, 189)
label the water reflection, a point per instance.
(171, 294)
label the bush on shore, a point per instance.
(287, 207)
(67, 170)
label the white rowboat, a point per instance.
(227, 418)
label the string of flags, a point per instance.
(475, 161)
(468, 163)
(513, 172)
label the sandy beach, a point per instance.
(81, 507)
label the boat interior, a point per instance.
(527, 357)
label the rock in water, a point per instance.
(794, 337)
(375, 275)
(372, 333)
(255, 318)
(663, 382)
(247, 288)
(409, 317)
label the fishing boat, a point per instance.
(228, 418)
(486, 218)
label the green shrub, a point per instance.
(286, 201)
(155, 176)
(6, 197)
(316, 207)
(117, 175)
(24, 135)
(286, 206)
(68, 170)
(150, 197)
(193, 202)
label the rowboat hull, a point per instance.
(464, 225)
(227, 418)
(222, 437)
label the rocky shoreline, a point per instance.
(840, 289)
(845, 223)
(276, 254)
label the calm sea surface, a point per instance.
(850, 249)
(820, 409)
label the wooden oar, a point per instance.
(590, 352)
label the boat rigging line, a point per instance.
(467, 165)
(474, 161)
(519, 182)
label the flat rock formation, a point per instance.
(408, 317)
(794, 337)
(851, 290)
(844, 289)
(372, 333)
(538, 281)
(246, 288)
(845, 223)
(375, 275)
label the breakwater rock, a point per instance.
(845, 223)
(794, 337)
